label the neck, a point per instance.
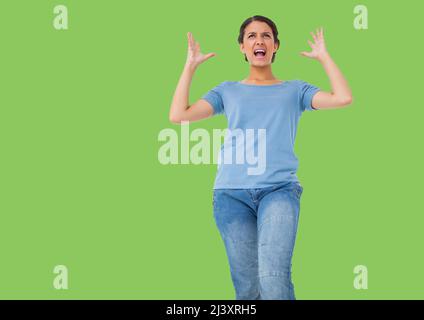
(261, 74)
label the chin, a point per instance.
(260, 63)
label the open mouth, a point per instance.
(259, 53)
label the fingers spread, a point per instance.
(209, 55)
(190, 40)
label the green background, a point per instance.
(81, 185)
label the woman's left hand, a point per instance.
(319, 50)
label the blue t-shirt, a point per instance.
(258, 150)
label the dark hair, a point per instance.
(268, 21)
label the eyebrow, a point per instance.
(262, 33)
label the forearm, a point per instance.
(339, 85)
(180, 100)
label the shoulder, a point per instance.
(229, 83)
(302, 83)
(225, 86)
(305, 87)
(298, 82)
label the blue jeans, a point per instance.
(258, 228)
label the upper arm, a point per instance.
(210, 104)
(313, 98)
(197, 111)
(201, 109)
(327, 100)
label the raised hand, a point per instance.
(318, 46)
(194, 56)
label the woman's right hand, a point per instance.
(194, 56)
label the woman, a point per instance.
(257, 212)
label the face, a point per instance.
(258, 36)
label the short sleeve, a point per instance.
(306, 93)
(215, 98)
